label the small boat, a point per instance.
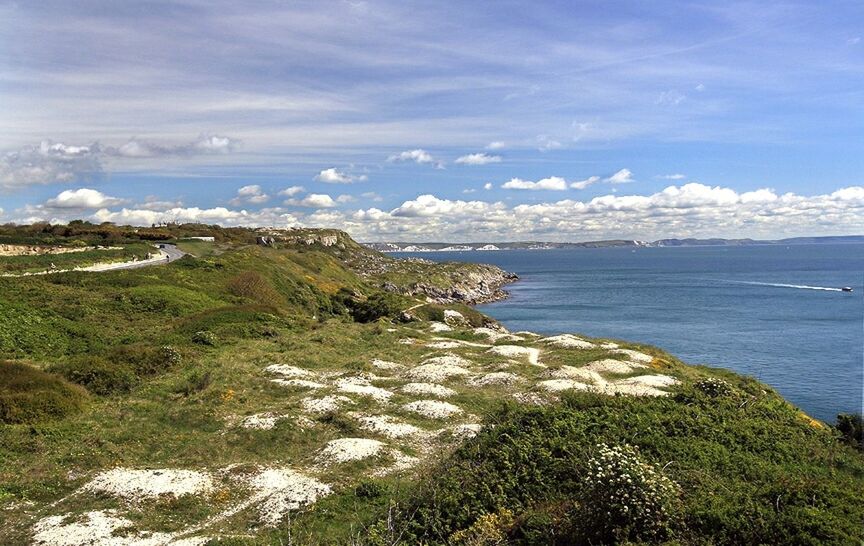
(846, 289)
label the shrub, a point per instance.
(376, 306)
(204, 337)
(254, 286)
(624, 498)
(97, 375)
(194, 382)
(143, 359)
(29, 395)
(714, 387)
(370, 489)
(851, 428)
(488, 530)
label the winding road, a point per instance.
(167, 254)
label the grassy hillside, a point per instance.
(272, 395)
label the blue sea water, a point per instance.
(758, 310)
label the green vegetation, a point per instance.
(159, 367)
(740, 468)
(29, 395)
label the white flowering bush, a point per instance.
(170, 356)
(714, 387)
(626, 498)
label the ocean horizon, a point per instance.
(773, 312)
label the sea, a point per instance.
(774, 312)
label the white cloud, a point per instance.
(624, 176)
(345, 198)
(469, 190)
(487, 186)
(49, 163)
(292, 191)
(250, 194)
(429, 205)
(496, 145)
(82, 198)
(553, 183)
(676, 176)
(372, 196)
(478, 159)
(545, 143)
(417, 156)
(582, 184)
(58, 163)
(313, 200)
(335, 176)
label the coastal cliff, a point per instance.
(274, 391)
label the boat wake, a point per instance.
(781, 285)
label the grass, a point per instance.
(292, 305)
(45, 262)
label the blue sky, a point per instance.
(438, 120)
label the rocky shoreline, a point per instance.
(484, 285)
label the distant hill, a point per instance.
(540, 245)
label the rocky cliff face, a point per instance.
(481, 284)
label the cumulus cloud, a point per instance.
(292, 191)
(371, 195)
(624, 176)
(82, 198)
(676, 176)
(418, 156)
(546, 143)
(553, 183)
(313, 200)
(487, 186)
(496, 145)
(335, 176)
(429, 205)
(250, 194)
(345, 198)
(478, 159)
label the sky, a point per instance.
(438, 121)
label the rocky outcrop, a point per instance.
(35, 250)
(481, 285)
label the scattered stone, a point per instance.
(517, 351)
(608, 365)
(283, 490)
(288, 371)
(609, 345)
(401, 462)
(345, 450)
(436, 372)
(432, 389)
(444, 345)
(433, 409)
(636, 356)
(454, 318)
(496, 378)
(531, 398)
(326, 404)
(439, 327)
(557, 385)
(261, 421)
(569, 341)
(298, 383)
(388, 426)
(134, 485)
(583, 374)
(495, 335)
(385, 365)
(466, 431)
(95, 528)
(358, 385)
(407, 341)
(650, 381)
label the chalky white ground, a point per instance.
(407, 408)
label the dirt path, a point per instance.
(167, 254)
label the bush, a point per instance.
(624, 498)
(29, 395)
(98, 375)
(203, 337)
(143, 359)
(714, 387)
(752, 473)
(376, 306)
(851, 428)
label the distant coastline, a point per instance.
(615, 243)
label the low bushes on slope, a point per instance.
(738, 467)
(29, 395)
